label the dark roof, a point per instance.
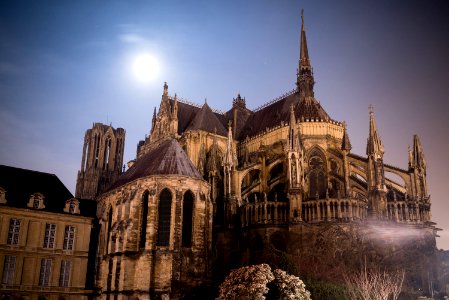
(187, 112)
(20, 184)
(242, 115)
(273, 114)
(310, 108)
(206, 120)
(168, 158)
(249, 123)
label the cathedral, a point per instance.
(208, 190)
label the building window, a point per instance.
(108, 234)
(2, 195)
(165, 199)
(187, 214)
(69, 236)
(143, 228)
(317, 178)
(9, 267)
(13, 233)
(44, 277)
(49, 239)
(72, 206)
(36, 201)
(64, 274)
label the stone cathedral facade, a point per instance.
(210, 189)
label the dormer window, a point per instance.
(36, 201)
(72, 206)
(2, 195)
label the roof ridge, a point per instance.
(277, 99)
(28, 170)
(204, 118)
(191, 103)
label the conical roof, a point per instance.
(374, 145)
(206, 120)
(346, 143)
(166, 159)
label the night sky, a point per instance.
(66, 65)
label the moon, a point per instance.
(145, 68)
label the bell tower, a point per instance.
(102, 160)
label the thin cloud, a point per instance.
(131, 38)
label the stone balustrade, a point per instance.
(408, 211)
(267, 212)
(332, 209)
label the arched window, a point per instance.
(97, 150)
(106, 153)
(317, 178)
(108, 233)
(143, 223)
(187, 214)
(163, 234)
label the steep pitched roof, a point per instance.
(346, 143)
(20, 184)
(206, 120)
(187, 112)
(273, 114)
(310, 108)
(168, 158)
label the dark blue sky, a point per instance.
(65, 66)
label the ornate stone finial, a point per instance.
(239, 101)
(371, 109)
(165, 88)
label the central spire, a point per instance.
(304, 80)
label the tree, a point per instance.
(253, 282)
(375, 285)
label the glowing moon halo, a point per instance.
(145, 68)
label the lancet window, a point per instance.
(165, 200)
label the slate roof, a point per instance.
(168, 158)
(20, 184)
(248, 123)
(273, 114)
(186, 114)
(206, 120)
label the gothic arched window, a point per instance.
(317, 178)
(187, 215)
(108, 232)
(163, 236)
(143, 223)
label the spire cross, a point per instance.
(371, 109)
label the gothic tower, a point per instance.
(375, 173)
(102, 160)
